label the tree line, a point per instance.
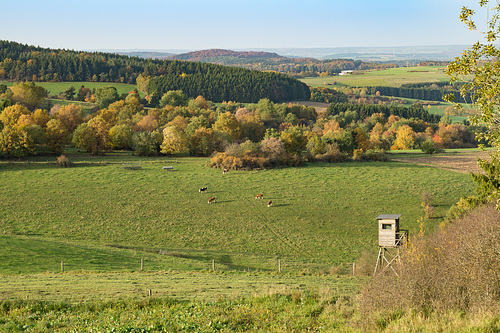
(416, 111)
(236, 135)
(423, 91)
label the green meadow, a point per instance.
(393, 77)
(98, 247)
(98, 216)
(55, 88)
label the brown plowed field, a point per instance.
(459, 162)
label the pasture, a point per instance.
(80, 286)
(393, 77)
(142, 250)
(55, 88)
(98, 216)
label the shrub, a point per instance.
(357, 154)
(273, 148)
(333, 154)
(365, 264)
(426, 204)
(63, 161)
(429, 147)
(455, 269)
(375, 155)
(247, 161)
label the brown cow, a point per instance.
(269, 203)
(259, 196)
(211, 199)
(225, 171)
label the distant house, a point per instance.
(348, 72)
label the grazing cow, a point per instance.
(259, 196)
(203, 189)
(225, 171)
(269, 203)
(211, 199)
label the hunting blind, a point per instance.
(390, 238)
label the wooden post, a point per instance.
(150, 292)
(279, 266)
(213, 265)
(353, 268)
(142, 264)
(62, 266)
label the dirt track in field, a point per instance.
(320, 107)
(459, 162)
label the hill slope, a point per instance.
(322, 214)
(224, 55)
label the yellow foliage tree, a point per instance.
(11, 114)
(57, 135)
(180, 122)
(70, 116)
(405, 138)
(147, 124)
(41, 117)
(227, 123)
(14, 142)
(174, 141)
(28, 94)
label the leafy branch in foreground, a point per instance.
(479, 69)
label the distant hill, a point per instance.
(273, 62)
(224, 55)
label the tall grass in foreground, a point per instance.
(295, 312)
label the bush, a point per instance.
(427, 204)
(375, 155)
(455, 269)
(333, 154)
(247, 162)
(429, 147)
(63, 161)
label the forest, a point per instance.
(20, 62)
(220, 84)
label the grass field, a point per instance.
(55, 88)
(75, 287)
(393, 77)
(97, 247)
(99, 216)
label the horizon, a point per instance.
(236, 25)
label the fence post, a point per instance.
(353, 268)
(279, 266)
(142, 264)
(62, 266)
(213, 265)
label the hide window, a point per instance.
(386, 226)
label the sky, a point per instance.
(233, 24)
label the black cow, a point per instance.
(203, 189)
